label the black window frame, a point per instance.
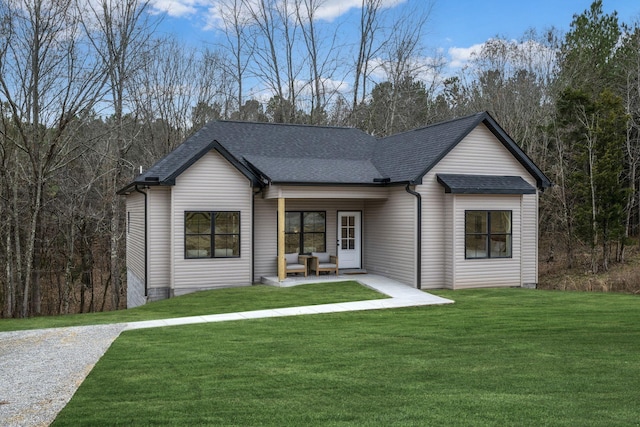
(488, 234)
(302, 233)
(212, 234)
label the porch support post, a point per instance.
(282, 266)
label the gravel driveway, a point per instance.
(41, 369)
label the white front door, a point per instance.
(349, 239)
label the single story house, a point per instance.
(451, 205)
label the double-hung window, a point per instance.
(305, 232)
(487, 234)
(211, 234)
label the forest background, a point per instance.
(90, 92)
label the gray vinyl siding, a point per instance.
(135, 234)
(442, 264)
(448, 238)
(159, 250)
(390, 236)
(210, 184)
(529, 234)
(266, 227)
(435, 238)
(265, 237)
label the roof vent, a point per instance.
(152, 178)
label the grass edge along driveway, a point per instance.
(496, 357)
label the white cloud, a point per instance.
(332, 9)
(460, 56)
(332, 85)
(210, 10)
(177, 8)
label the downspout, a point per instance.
(146, 231)
(419, 235)
(253, 232)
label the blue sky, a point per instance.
(461, 26)
(455, 28)
(463, 23)
(453, 24)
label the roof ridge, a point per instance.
(310, 158)
(287, 124)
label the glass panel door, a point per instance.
(349, 239)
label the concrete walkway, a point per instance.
(400, 295)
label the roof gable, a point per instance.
(409, 156)
(541, 179)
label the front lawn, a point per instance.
(494, 358)
(209, 302)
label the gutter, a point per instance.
(146, 232)
(419, 235)
(148, 182)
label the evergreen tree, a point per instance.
(594, 130)
(586, 56)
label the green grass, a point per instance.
(494, 358)
(209, 302)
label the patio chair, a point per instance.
(296, 263)
(322, 261)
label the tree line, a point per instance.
(90, 92)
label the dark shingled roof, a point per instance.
(315, 171)
(325, 155)
(484, 184)
(408, 156)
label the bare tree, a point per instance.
(174, 80)
(214, 84)
(78, 223)
(235, 20)
(322, 57)
(403, 58)
(120, 33)
(8, 210)
(370, 26)
(268, 66)
(286, 17)
(47, 79)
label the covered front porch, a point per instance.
(369, 229)
(328, 220)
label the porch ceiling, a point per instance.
(325, 192)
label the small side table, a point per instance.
(307, 259)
